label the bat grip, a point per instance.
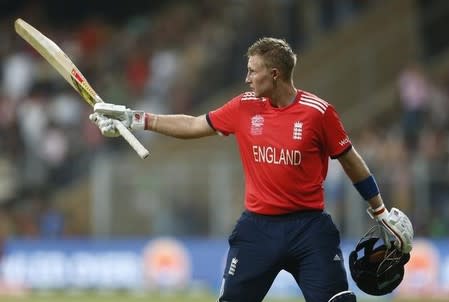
(131, 139)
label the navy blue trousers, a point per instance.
(305, 244)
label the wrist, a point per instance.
(367, 187)
(150, 121)
(137, 119)
(379, 213)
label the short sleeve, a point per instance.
(337, 141)
(225, 119)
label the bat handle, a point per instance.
(131, 139)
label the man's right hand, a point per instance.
(105, 124)
(132, 119)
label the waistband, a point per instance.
(287, 216)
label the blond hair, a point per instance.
(276, 53)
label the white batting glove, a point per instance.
(132, 119)
(394, 224)
(105, 124)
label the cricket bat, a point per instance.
(68, 70)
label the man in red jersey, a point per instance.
(285, 137)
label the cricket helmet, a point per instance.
(376, 269)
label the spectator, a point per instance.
(414, 97)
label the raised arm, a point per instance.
(179, 125)
(175, 125)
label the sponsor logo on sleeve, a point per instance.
(344, 141)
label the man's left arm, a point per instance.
(357, 171)
(395, 222)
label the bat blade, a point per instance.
(57, 58)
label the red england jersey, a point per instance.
(284, 151)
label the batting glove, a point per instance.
(105, 124)
(394, 224)
(132, 119)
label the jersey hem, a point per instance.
(342, 153)
(210, 122)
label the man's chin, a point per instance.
(258, 94)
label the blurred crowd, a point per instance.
(153, 61)
(408, 151)
(170, 60)
(411, 153)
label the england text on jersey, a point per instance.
(276, 156)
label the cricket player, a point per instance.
(285, 136)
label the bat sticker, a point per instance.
(78, 81)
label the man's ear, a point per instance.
(275, 73)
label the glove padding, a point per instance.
(105, 124)
(394, 224)
(132, 119)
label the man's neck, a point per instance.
(283, 96)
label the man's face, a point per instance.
(259, 77)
